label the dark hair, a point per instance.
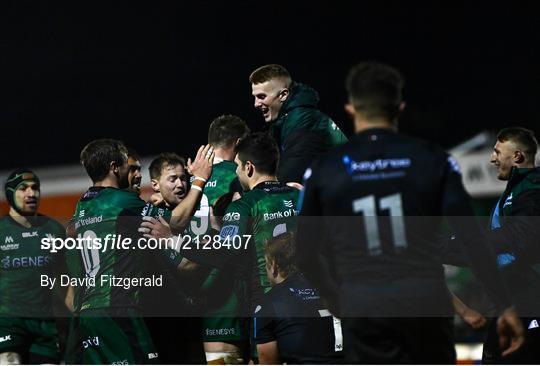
(261, 149)
(97, 156)
(282, 250)
(133, 154)
(522, 137)
(163, 160)
(268, 72)
(375, 89)
(226, 129)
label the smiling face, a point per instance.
(172, 184)
(504, 157)
(27, 197)
(269, 97)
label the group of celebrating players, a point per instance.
(294, 245)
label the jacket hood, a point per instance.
(301, 96)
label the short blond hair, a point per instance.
(269, 72)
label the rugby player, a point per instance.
(28, 331)
(300, 129)
(173, 326)
(223, 334)
(134, 175)
(292, 324)
(374, 255)
(108, 208)
(266, 209)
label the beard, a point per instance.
(123, 181)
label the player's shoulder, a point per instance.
(225, 166)
(401, 144)
(4, 221)
(429, 147)
(244, 204)
(51, 222)
(266, 308)
(122, 198)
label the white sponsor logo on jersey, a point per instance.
(508, 200)
(9, 239)
(152, 356)
(289, 203)
(9, 246)
(5, 338)
(90, 342)
(231, 216)
(81, 214)
(29, 235)
(123, 362)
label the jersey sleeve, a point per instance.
(312, 247)
(265, 323)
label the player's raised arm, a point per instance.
(201, 169)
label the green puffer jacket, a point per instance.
(303, 132)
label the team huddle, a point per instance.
(293, 245)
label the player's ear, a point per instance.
(518, 157)
(402, 106)
(155, 185)
(283, 95)
(349, 108)
(275, 269)
(250, 168)
(113, 166)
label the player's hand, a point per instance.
(473, 318)
(156, 199)
(152, 228)
(215, 222)
(510, 330)
(201, 166)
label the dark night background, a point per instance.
(156, 74)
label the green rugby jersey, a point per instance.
(106, 211)
(22, 262)
(220, 182)
(266, 211)
(217, 288)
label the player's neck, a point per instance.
(279, 279)
(107, 182)
(528, 165)
(22, 220)
(224, 154)
(362, 124)
(262, 178)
